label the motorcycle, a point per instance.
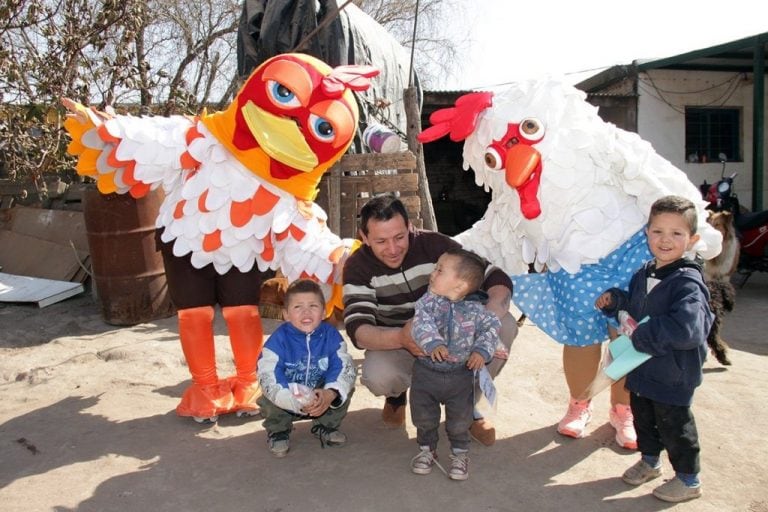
(751, 227)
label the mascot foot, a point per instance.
(245, 393)
(247, 413)
(206, 402)
(201, 419)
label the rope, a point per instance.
(326, 20)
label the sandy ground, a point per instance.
(87, 423)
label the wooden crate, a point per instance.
(356, 178)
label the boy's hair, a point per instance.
(678, 205)
(381, 208)
(470, 267)
(303, 286)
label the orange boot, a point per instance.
(207, 397)
(246, 337)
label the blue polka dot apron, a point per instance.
(563, 305)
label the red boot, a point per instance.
(246, 337)
(208, 396)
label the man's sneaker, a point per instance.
(459, 466)
(328, 436)
(640, 473)
(278, 443)
(483, 431)
(675, 491)
(422, 463)
(393, 416)
(575, 420)
(621, 419)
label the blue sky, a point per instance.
(510, 39)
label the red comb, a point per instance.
(348, 77)
(460, 120)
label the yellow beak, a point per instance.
(280, 138)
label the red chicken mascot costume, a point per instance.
(239, 188)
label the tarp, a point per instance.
(271, 27)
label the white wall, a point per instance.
(663, 96)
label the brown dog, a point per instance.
(717, 275)
(724, 264)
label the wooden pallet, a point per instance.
(10, 191)
(357, 178)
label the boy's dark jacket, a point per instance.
(675, 333)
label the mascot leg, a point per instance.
(247, 338)
(580, 365)
(207, 397)
(621, 417)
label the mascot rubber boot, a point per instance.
(208, 396)
(246, 337)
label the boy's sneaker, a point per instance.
(459, 466)
(575, 420)
(422, 463)
(675, 491)
(328, 436)
(621, 418)
(278, 443)
(640, 473)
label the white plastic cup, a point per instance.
(380, 139)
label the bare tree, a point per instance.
(164, 55)
(436, 49)
(147, 52)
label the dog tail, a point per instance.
(722, 293)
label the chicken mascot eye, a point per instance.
(321, 128)
(493, 158)
(281, 95)
(531, 129)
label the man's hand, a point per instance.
(407, 341)
(499, 298)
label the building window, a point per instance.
(711, 131)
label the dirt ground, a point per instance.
(87, 423)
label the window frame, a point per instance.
(712, 131)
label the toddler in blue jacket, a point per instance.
(304, 371)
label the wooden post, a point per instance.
(413, 117)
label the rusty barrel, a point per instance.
(128, 271)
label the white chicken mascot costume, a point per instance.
(239, 189)
(571, 196)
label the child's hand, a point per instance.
(604, 301)
(320, 403)
(475, 361)
(440, 353)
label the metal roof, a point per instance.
(742, 56)
(736, 56)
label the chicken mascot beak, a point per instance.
(520, 162)
(280, 138)
(523, 173)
